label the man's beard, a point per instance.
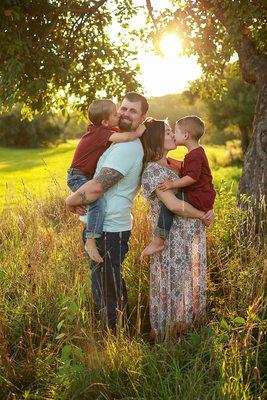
(125, 124)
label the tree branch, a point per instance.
(261, 7)
(35, 10)
(252, 64)
(82, 11)
(86, 10)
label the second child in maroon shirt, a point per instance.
(201, 194)
(195, 184)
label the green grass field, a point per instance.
(33, 171)
(51, 345)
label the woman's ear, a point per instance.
(104, 122)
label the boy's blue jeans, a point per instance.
(95, 210)
(166, 217)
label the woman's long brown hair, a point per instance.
(153, 140)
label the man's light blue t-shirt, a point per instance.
(127, 159)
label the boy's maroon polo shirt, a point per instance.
(201, 194)
(91, 147)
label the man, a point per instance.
(117, 179)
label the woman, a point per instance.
(178, 273)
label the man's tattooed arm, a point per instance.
(83, 198)
(93, 189)
(108, 177)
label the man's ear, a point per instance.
(144, 117)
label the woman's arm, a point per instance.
(177, 206)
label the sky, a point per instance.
(166, 74)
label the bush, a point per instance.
(18, 132)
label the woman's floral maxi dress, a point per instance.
(178, 273)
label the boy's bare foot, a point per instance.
(155, 246)
(91, 250)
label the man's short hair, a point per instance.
(136, 97)
(192, 124)
(99, 110)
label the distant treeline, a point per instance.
(18, 131)
(227, 117)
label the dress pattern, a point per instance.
(178, 273)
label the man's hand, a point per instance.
(166, 185)
(208, 218)
(79, 210)
(140, 130)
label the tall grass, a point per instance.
(50, 338)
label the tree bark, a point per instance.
(253, 181)
(245, 136)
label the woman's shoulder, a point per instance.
(152, 176)
(152, 168)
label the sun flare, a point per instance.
(171, 45)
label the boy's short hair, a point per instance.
(136, 97)
(99, 110)
(192, 124)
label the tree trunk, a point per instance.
(253, 181)
(245, 136)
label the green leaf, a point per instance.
(239, 321)
(195, 338)
(59, 325)
(82, 295)
(73, 307)
(254, 317)
(66, 351)
(60, 336)
(2, 276)
(225, 325)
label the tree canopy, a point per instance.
(234, 107)
(54, 51)
(214, 31)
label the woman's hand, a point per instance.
(208, 218)
(165, 185)
(178, 207)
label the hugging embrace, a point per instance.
(120, 150)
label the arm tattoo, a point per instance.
(108, 177)
(83, 198)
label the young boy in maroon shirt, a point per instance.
(99, 136)
(195, 183)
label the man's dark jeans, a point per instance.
(108, 285)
